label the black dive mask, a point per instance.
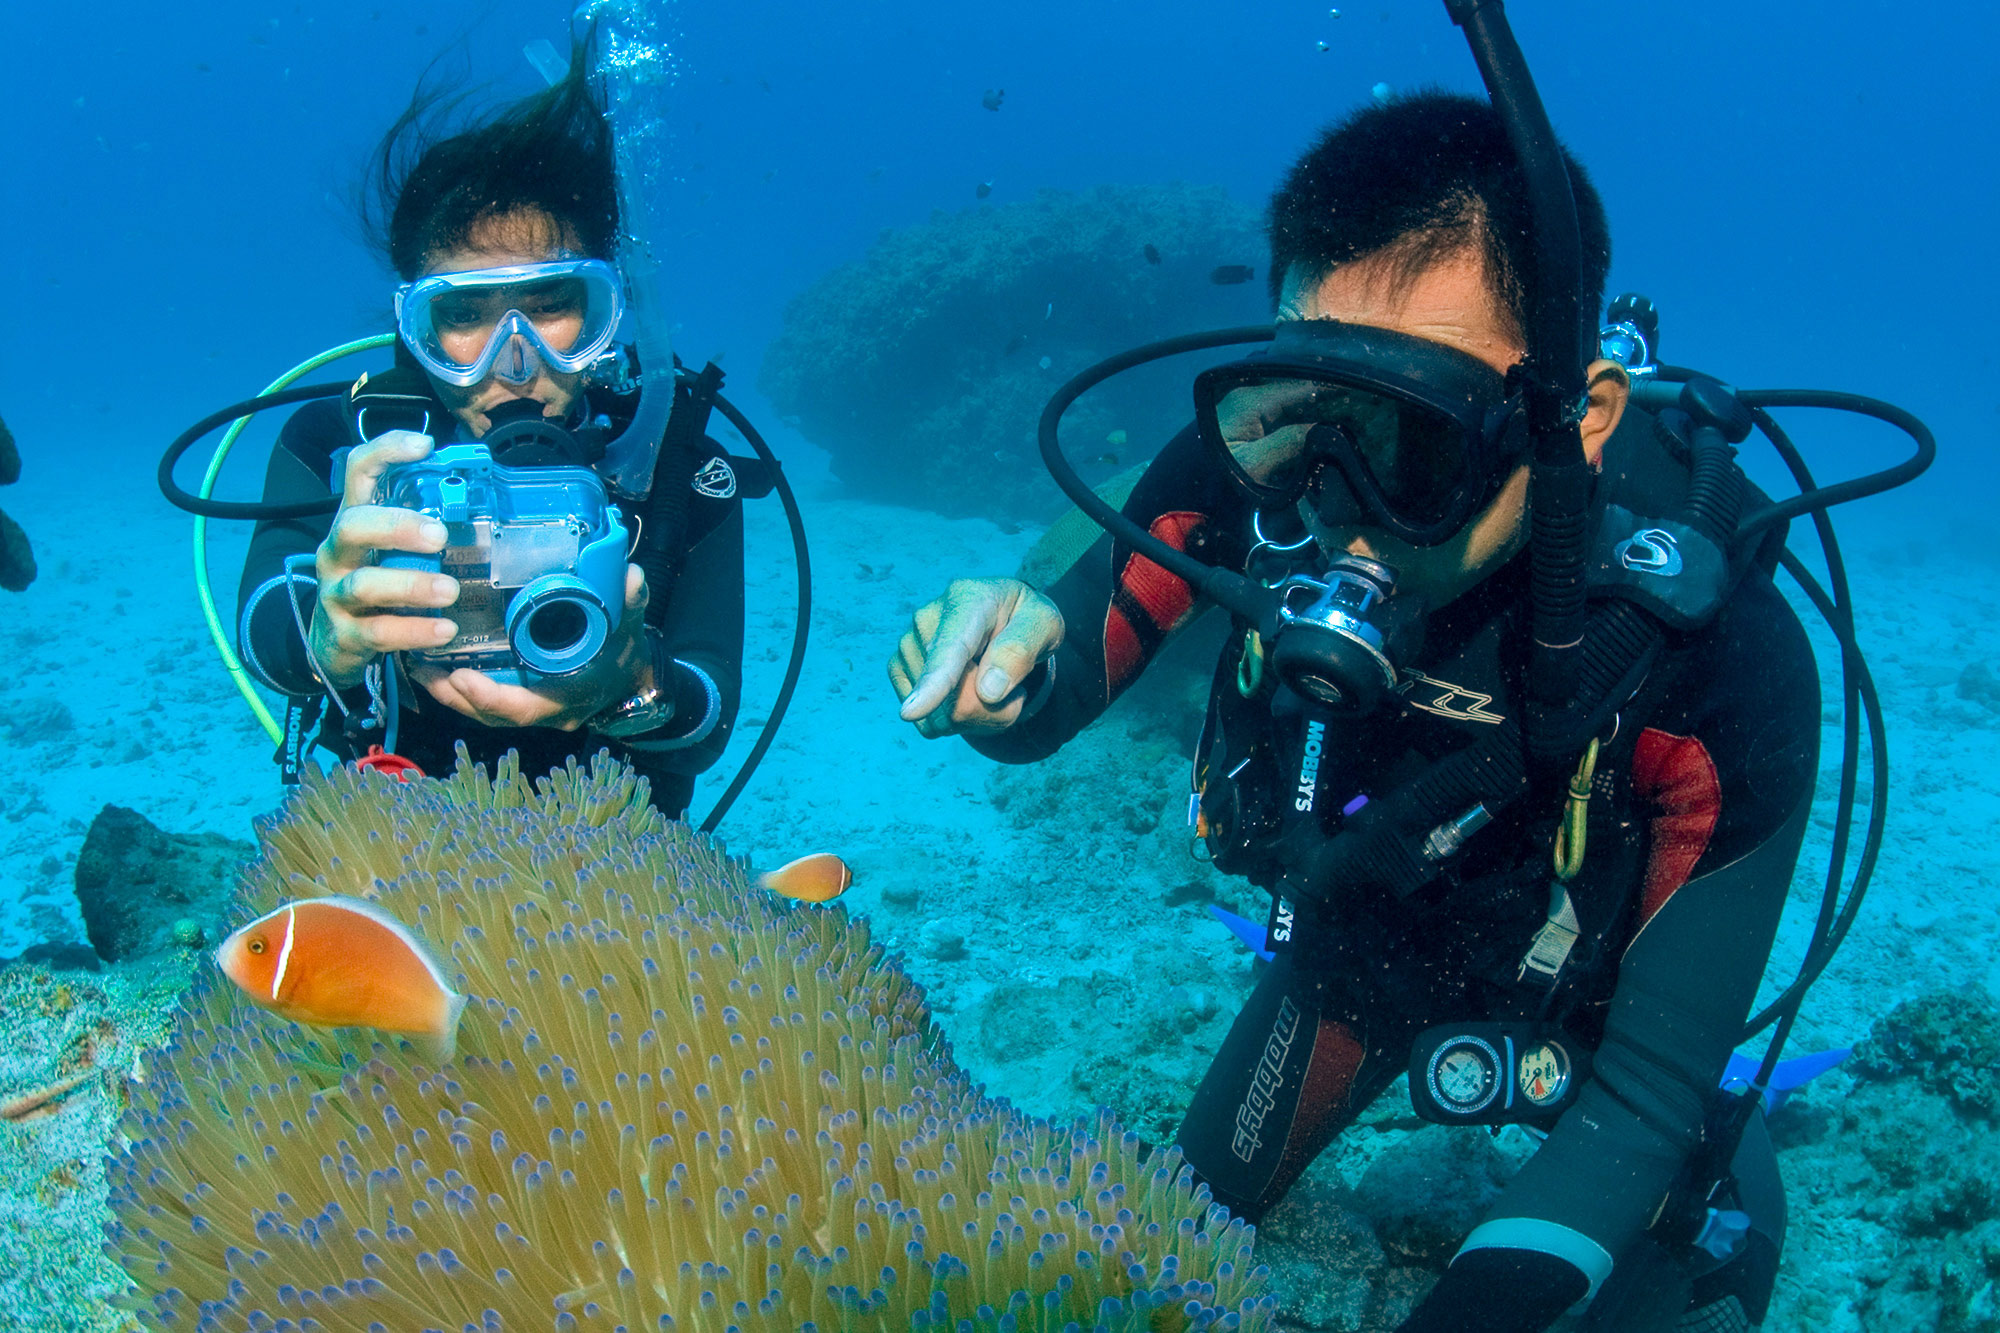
(1374, 428)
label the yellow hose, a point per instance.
(216, 631)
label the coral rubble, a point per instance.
(67, 1045)
(923, 367)
(1895, 1188)
(677, 1103)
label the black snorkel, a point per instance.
(1552, 376)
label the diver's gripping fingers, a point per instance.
(948, 633)
(373, 588)
(368, 461)
(377, 528)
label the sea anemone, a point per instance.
(677, 1103)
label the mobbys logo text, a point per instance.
(1309, 767)
(1263, 1094)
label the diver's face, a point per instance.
(1449, 303)
(524, 236)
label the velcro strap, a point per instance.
(1558, 935)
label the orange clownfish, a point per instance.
(338, 962)
(819, 878)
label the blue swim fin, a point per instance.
(1249, 933)
(1786, 1078)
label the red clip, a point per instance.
(381, 761)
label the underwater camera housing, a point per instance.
(539, 554)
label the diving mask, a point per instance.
(511, 321)
(1372, 427)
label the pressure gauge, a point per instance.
(1496, 1073)
(1543, 1074)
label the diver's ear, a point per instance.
(1610, 390)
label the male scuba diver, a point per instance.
(1552, 907)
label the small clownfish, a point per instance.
(338, 962)
(819, 878)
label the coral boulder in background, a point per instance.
(677, 1104)
(17, 559)
(923, 367)
(142, 891)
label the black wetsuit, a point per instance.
(1717, 784)
(701, 624)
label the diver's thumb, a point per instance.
(1007, 662)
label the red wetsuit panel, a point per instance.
(1162, 598)
(1676, 778)
(1323, 1108)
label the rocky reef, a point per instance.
(923, 367)
(17, 558)
(1895, 1187)
(144, 892)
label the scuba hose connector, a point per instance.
(1448, 837)
(1631, 335)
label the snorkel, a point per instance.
(634, 71)
(1552, 376)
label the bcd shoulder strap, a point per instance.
(684, 449)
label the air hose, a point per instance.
(203, 592)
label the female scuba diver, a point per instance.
(405, 608)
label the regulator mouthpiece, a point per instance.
(1330, 645)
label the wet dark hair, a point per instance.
(1416, 180)
(550, 152)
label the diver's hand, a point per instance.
(960, 666)
(363, 609)
(621, 670)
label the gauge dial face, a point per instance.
(1544, 1073)
(1464, 1075)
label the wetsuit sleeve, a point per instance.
(1119, 608)
(267, 635)
(701, 635)
(1727, 784)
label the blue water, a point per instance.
(1805, 191)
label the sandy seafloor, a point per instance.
(1052, 912)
